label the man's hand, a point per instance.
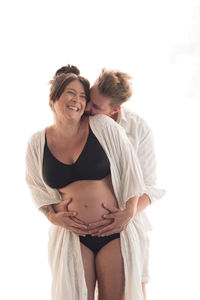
(118, 221)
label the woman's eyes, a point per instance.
(70, 92)
(74, 94)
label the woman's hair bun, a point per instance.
(67, 69)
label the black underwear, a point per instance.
(95, 243)
(92, 164)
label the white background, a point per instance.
(158, 43)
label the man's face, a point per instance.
(99, 104)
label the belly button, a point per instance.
(85, 205)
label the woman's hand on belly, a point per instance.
(88, 197)
(67, 219)
(62, 206)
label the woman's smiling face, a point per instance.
(72, 102)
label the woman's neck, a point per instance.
(66, 129)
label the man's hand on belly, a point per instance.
(95, 227)
(119, 220)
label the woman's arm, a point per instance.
(64, 219)
(42, 197)
(48, 211)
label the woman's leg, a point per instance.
(110, 271)
(89, 269)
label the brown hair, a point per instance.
(63, 77)
(115, 85)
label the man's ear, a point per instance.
(115, 110)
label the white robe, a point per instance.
(68, 281)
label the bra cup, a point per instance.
(92, 164)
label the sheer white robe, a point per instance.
(65, 259)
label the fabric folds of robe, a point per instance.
(65, 259)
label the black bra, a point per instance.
(92, 164)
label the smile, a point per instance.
(73, 107)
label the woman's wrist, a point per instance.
(49, 212)
(51, 217)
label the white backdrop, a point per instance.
(158, 43)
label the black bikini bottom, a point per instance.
(95, 243)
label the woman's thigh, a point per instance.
(88, 259)
(110, 271)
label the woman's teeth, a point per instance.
(73, 108)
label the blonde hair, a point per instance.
(115, 85)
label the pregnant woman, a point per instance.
(88, 163)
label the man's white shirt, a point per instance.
(141, 137)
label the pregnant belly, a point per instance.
(88, 197)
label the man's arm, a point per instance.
(147, 160)
(143, 202)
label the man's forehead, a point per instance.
(94, 89)
(97, 103)
(97, 98)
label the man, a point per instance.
(111, 89)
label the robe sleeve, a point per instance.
(147, 159)
(40, 193)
